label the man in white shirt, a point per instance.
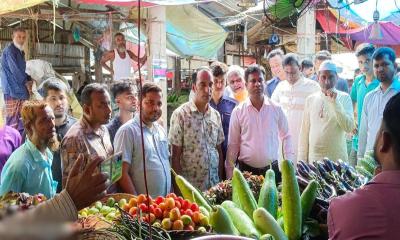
(255, 128)
(375, 101)
(328, 115)
(291, 95)
(121, 59)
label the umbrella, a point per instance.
(390, 33)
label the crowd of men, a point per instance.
(235, 118)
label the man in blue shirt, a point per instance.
(363, 84)
(275, 58)
(128, 141)
(221, 103)
(29, 168)
(321, 56)
(15, 82)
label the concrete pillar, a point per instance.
(306, 35)
(157, 57)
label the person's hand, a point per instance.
(331, 94)
(84, 187)
(29, 85)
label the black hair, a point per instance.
(275, 52)
(382, 51)
(120, 87)
(252, 69)
(365, 49)
(306, 63)
(86, 95)
(218, 69)
(291, 59)
(119, 34)
(53, 84)
(149, 87)
(391, 119)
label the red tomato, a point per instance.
(182, 211)
(185, 204)
(180, 199)
(158, 213)
(151, 209)
(143, 207)
(189, 212)
(194, 207)
(178, 204)
(159, 199)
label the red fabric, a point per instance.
(328, 23)
(127, 3)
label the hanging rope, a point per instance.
(141, 113)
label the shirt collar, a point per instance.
(88, 130)
(247, 103)
(66, 121)
(392, 177)
(193, 108)
(273, 80)
(37, 156)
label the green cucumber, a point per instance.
(267, 224)
(291, 203)
(221, 222)
(267, 237)
(308, 198)
(189, 192)
(268, 198)
(244, 194)
(242, 222)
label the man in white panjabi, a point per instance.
(291, 95)
(328, 116)
(121, 59)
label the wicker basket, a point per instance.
(184, 234)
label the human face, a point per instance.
(203, 86)
(126, 101)
(384, 69)
(219, 85)
(307, 72)
(236, 83)
(19, 38)
(58, 101)
(120, 43)
(151, 107)
(276, 66)
(327, 79)
(292, 73)
(99, 110)
(255, 84)
(43, 128)
(365, 64)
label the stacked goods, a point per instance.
(13, 202)
(108, 211)
(333, 178)
(366, 166)
(262, 219)
(223, 190)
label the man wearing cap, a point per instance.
(328, 115)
